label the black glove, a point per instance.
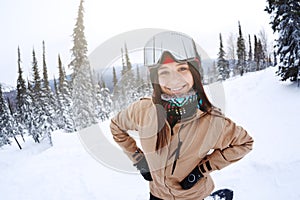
(143, 167)
(191, 179)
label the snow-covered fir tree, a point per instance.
(129, 87)
(222, 63)
(14, 127)
(58, 108)
(250, 64)
(8, 126)
(36, 109)
(231, 53)
(28, 114)
(143, 86)
(4, 117)
(115, 78)
(104, 103)
(263, 38)
(83, 93)
(212, 74)
(123, 90)
(130, 79)
(21, 87)
(259, 56)
(48, 121)
(21, 100)
(64, 100)
(285, 20)
(241, 52)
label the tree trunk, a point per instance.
(17, 142)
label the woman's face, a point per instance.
(175, 78)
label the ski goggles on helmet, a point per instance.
(169, 47)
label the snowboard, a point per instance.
(223, 194)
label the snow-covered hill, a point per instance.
(268, 109)
(6, 88)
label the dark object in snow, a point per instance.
(223, 194)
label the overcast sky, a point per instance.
(27, 23)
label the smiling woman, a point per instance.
(178, 127)
(175, 78)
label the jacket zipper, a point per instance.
(177, 151)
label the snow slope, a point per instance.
(6, 88)
(266, 108)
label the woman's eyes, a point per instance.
(166, 72)
(181, 69)
(163, 73)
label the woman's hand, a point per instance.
(143, 167)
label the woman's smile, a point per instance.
(175, 78)
(177, 90)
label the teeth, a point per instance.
(176, 89)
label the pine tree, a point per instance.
(28, 114)
(21, 99)
(4, 132)
(21, 88)
(45, 71)
(62, 77)
(103, 97)
(59, 110)
(8, 125)
(231, 52)
(250, 50)
(241, 52)
(124, 69)
(36, 101)
(261, 55)
(83, 93)
(64, 100)
(250, 59)
(127, 60)
(274, 58)
(104, 103)
(117, 89)
(285, 20)
(222, 63)
(115, 79)
(56, 90)
(48, 102)
(141, 85)
(258, 54)
(12, 125)
(36, 76)
(264, 48)
(213, 74)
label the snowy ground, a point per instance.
(268, 109)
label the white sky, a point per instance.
(28, 23)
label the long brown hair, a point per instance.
(162, 137)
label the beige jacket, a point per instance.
(199, 134)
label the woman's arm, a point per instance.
(126, 120)
(129, 119)
(233, 144)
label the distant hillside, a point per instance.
(6, 88)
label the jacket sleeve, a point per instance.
(233, 144)
(126, 120)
